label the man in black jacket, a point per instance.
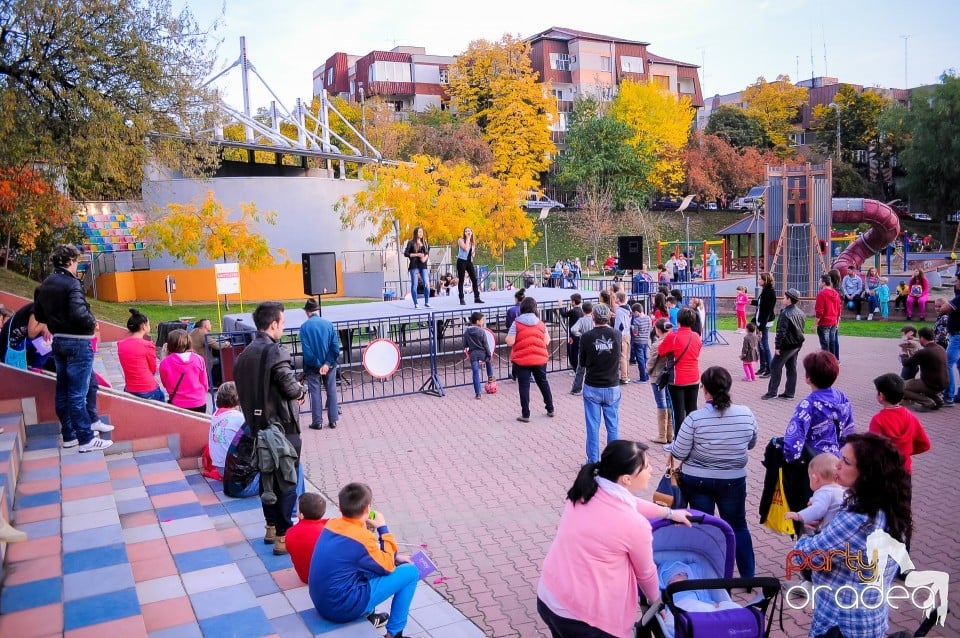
(61, 305)
(270, 393)
(600, 357)
(790, 327)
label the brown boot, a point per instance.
(668, 425)
(270, 536)
(661, 434)
(280, 546)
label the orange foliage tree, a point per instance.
(29, 206)
(716, 169)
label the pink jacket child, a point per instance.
(742, 302)
(919, 287)
(184, 377)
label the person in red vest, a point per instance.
(529, 337)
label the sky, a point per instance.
(734, 42)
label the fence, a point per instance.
(430, 346)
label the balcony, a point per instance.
(565, 106)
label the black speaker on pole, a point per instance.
(631, 252)
(319, 273)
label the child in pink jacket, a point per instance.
(184, 374)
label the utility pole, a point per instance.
(906, 38)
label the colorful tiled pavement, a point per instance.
(131, 545)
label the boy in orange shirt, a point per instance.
(302, 537)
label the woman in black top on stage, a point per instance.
(765, 306)
(466, 247)
(418, 252)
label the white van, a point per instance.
(743, 203)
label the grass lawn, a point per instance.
(883, 329)
(118, 313)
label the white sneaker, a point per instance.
(71, 443)
(858, 317)
(95, 444)
(100, 426)
(876, 310)
(870, 317)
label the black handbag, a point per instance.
(668, 375)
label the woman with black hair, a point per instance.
(417, 252)
(138, 359)
(603, 551)
(766, 302)
(685, 346)
(877, 500)
(712, 444)
(466, 247)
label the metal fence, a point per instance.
(431, 346)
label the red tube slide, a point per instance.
(885, 226)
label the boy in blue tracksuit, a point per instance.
(354, 566)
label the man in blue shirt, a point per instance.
(321, 352)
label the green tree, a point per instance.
(859, 115)
(776, 106)
(94, 77)
(736, 126)
(601, 159)
(930, 158)
(493, 84)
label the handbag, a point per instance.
(778, 509)
(13, 357)
(668, 492)
(668, 375)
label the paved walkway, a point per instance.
(484, 492)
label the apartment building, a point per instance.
(405, 77)
(577, 64)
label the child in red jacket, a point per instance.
(302, 537)
(897, 423)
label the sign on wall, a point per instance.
(228, 278)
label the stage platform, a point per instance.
(294, 317)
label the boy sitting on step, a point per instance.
(354, 566)
(302, 537)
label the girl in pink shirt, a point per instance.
(603, 550)
(742, 302)
(184, 374)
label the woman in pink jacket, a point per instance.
(603, 550)
(184, 374)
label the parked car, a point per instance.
(712, 206)
(669, 203)
(743, 203)
(922, 217)
(954, 217)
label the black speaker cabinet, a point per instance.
(319, 273)
(631, 252)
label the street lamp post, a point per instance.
(363, 114)
(836, 106)
(396, 230)
(544, 213)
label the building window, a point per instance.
(329, 77)
(397, 106)
(605, 63)
(631, 64)
(562, 62)
(444, 76)
(557, 93)
(686, 85)
(663, 81)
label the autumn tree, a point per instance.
(661, 124)
(776, 106)
(493, 84)
(94, 77)
(449, 138)
(716, 169)
(597, 219)
(31, 206)
(600, 156)
(443, 197)
(734, 125)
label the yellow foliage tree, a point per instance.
(443, 198)
(776, 106)
(493, 84)
(662, 124)
(187, 231)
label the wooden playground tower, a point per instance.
(797, 225)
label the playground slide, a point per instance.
(885, 226)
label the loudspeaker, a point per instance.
(319, 273)
(631, 252)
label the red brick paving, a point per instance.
(484, 492)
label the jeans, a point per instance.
(854, 304)
(573, 352)
(317, 384)
(539, 374)
(683, 398)
(873, 301)
(466, 267)
(730, 498)
(827, 335)
(156, 394)
(599, 402)
(953, 367)
(640, 351)
(401, 583)
(425, 278)
(74, 361)
(659, 396)
(475, 367)
(280, 513)
(91, 401)
(578, 379)
(763, 343)
(561, 627)
(786, 359)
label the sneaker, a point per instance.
(551, 413)
(870, 317)
(332, 425)
(784, 396)
(478, 300)
(95, 444)
(948, 403)
(523, 419)
(378, 620)
(768, 396)
(478, 397)
(624, 381)
(576, 393)
(316, 426)
(100, 426)
(763, 375)
(426, 305)
(858, 318)
(876, 310)
(463, 303)
(71, 443)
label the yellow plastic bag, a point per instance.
(778, 509)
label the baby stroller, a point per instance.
(708, 546)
